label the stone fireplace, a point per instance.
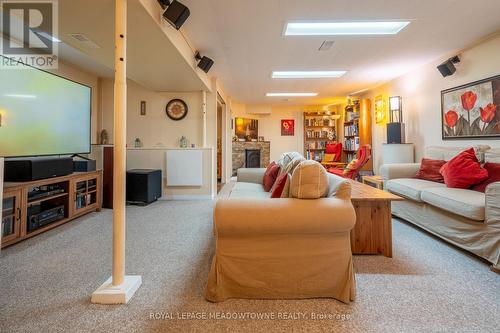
(251, 155)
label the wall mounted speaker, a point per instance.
(448, 68)
(205, 63)
(176, 14)
(396, 133)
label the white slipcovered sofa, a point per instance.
(468, 219)
(284, 248)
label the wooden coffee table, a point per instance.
(372, 233)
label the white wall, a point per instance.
(421, 97)
(270, 127)
(157, 132)
(155, 128)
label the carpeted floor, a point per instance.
(46, 283)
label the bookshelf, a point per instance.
(357, 129)
(320, 128)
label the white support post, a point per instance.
(119, 288)
(204, 112)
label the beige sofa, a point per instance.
(284, 248)
(465, 218)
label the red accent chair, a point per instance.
(336, 149)
(363, 156)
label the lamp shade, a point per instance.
(396, 111)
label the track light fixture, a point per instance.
(175, 12)
(205, 63)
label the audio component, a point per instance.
(38, 219)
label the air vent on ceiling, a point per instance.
(326, 45)
(84, 41)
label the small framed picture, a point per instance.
(143, 108)
(287, 127)
(261, 138)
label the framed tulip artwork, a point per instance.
(287, 127)
(472, 111)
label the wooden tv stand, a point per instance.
(81, 195)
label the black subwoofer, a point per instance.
(396, 133)
(143, 186)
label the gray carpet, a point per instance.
(46, 283)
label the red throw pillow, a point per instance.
(279, 186)
(331, 148)
(270, 176)
(463, 170)
(429, 170)
(493, 176)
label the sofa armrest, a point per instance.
(399, 170)
(246, 217)
(250, 175)
(492, 210)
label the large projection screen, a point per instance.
(43, 114)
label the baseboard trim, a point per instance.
(181, 197)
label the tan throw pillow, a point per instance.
(309, 181)
(329, 158)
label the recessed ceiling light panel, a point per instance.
(307, 74)
(344, 28)
(292, 94)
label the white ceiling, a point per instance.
(153, 60)
(245, 40)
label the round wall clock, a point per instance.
(177, 109)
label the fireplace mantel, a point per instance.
(239, 148)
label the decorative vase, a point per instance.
(183, 142)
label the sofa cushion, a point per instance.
(411, 188)
(249, 194)
(309, 181)
(241, 186)
(429, 170)
(463, 171)
(270, 176)
(466, 203)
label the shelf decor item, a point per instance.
(471, 111)
(380, 109)
(287, 127)
(177, 109)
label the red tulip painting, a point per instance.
(472, 111)
(287, 127)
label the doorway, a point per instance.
(221, 107)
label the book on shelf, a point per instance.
(351, 143)
(315, 156)
(320, 134)
(351, 130)
(319, 121)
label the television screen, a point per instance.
(42, 114)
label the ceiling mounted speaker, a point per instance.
(448, 68)
(176, 14)
(205, 63)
